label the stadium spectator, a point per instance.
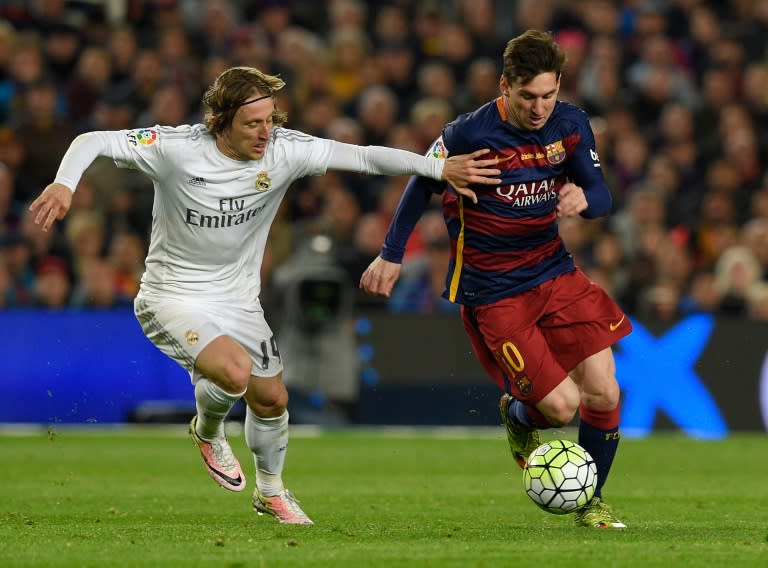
(349, 49)
(481, 19)
(96, 288)
(198, 299)
(25, 66)
(600, 86)
(88, 83)
(397, 66)
(757, 301)
(86, 237)
(12, 156)
(754, 89)
(125, 255)
(146, 78)
(42, 131)
(607, 260)
(123, 49)
(217, 29)
(479, 86)
(62, 43)
(339, 217)
(112, 111)
(427, 117)
(167, 107)
(41, 244)
(737, 271)
(435, 79)
(10, 208)
(754, 235)
(377, 111)
(703, 295)
(391, 27)
(16, 256)
(52, 284)
(541, 330)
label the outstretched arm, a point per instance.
(56, 199)
(460, 171)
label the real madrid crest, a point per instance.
(192, 337)
(263, 183)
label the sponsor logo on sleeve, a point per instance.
(595, 158)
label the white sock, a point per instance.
(213, 404)
(268, 440)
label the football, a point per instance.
(560, 477)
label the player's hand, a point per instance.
(464, 170)
(52, 204)
(571, 200)
(380, 277)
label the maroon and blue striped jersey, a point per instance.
(508, 242)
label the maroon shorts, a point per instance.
(530, 342)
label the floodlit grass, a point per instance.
(140, 497)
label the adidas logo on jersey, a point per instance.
(196, 181)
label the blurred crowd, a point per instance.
(677, 93)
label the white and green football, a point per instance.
(560, 477)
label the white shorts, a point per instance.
(182, 329)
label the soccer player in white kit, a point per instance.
(218, 186)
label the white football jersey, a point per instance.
(212, 214)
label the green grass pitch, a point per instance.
(141, 497)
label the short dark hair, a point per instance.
(231, 89)
(532, 53)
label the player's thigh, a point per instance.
(225, 362)
(581, 319)
(512, 349)
(183, 330)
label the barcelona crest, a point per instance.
(555, 152)
(524, 385)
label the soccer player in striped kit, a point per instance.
(542, 331)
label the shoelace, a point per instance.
(292, 504)
(223, 454)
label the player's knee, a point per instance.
(275, 400)
(237, 372)
(559, 410)
(560, 406)
(604, 397)
(267, 397)
(560, 415)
